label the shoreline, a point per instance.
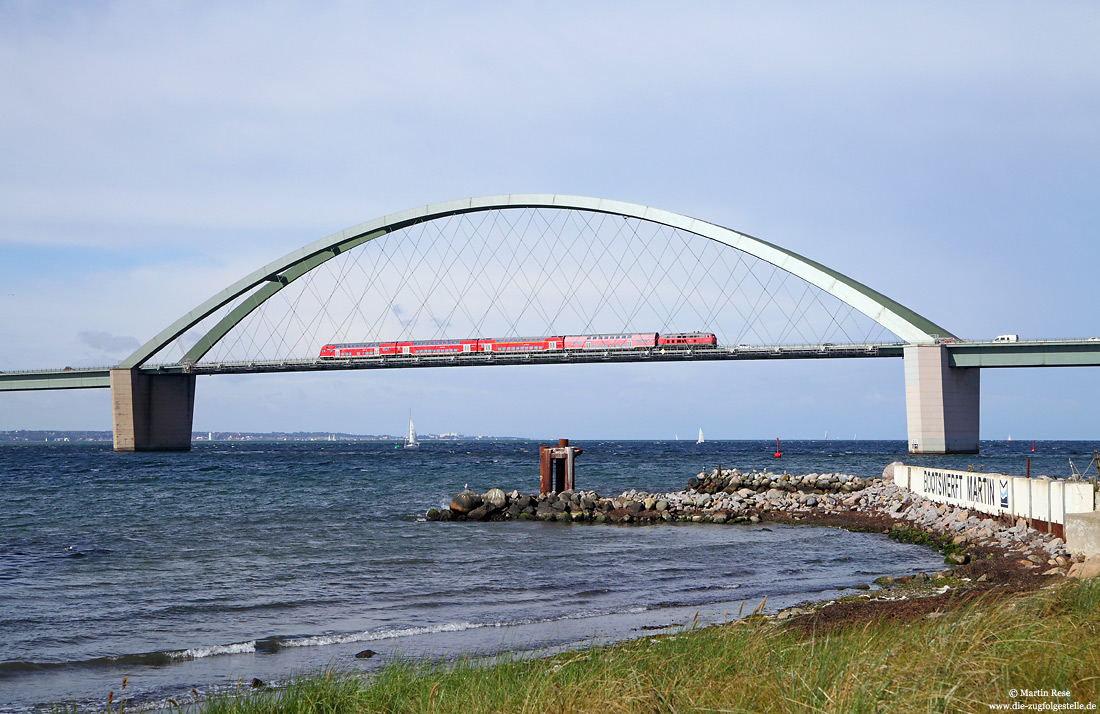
(983, 555)
(992, 570)
(946, 615)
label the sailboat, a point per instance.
(700, 439)
(410, 438)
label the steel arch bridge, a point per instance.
(153, 397)
(273, 277)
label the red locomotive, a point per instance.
(512, 345)
(687, 339)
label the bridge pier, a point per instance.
(152, 412)
(942, 403)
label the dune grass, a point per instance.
(961, 661)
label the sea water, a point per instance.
(191, 571)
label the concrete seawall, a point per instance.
(1068, 509)
(1044, 503)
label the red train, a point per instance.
(679, 340)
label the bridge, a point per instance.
(513, 265)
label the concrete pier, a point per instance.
(152, 412)
(942, 403)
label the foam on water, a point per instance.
(214, 651)
(339, 639)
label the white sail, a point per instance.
(410, 438)
(700, 441)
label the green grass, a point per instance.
(962, 661)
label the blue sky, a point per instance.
(945, 154)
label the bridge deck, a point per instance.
(555, 357)
(100, 377)
(1038, 353)
(1031, 353)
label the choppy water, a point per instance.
(259, 560)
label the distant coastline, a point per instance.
(57, 435)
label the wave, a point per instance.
(214, 651)
(264, 645)
(339, 639)
(271, 645)
(141, 659)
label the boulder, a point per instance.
(465, 502)
(888, 472)
(480, 513)
(495, 496)
(1088, 569)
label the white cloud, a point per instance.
(108, 343)
(943, 153)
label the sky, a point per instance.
(946, 154)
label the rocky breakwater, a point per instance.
(731, 496)
(726, 496)
(965, 529)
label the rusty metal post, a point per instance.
(546, 479)
(561, 468)
(556, 467)
(568, 467)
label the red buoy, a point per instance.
(777, 454)
(1033, 445)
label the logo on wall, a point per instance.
(1004, 494)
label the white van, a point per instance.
(1006, 338)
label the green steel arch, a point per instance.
(276, 275)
